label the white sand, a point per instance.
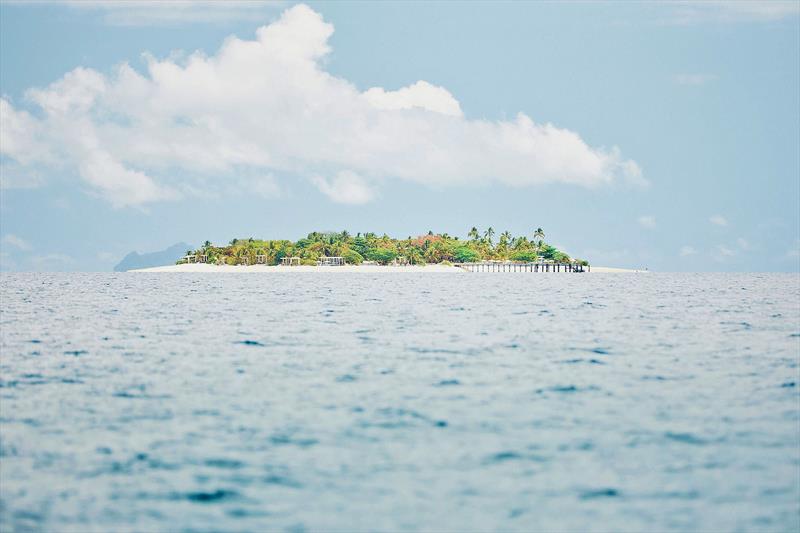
(610, 270)
(201, 267)
(369, 269)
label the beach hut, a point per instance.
(261, 259)
(330, 261)
(290, 261)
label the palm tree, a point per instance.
(539, 234)
(489, 233)
(505, 237)
(473, 234)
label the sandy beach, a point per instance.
(364, 269)
(612, 270)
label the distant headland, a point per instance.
(135, 260)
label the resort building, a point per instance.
(290, 261)
(195, 258)
(330, 261)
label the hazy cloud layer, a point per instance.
(718, 220)
(647, 221)
(729, 11)
(265, 107)
(173, 12)
(17, 242)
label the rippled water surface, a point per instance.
(466, 402)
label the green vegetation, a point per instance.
(430, 248)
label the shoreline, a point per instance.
(364, 269)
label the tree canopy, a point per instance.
(382, 249)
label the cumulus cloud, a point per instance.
(718, 220)
(686, 251)
(267, 105)
(647, 221)
(421, 95)
(345, 188)
(17, 242)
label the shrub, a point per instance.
(549, 251)
(464, 254)
(352, 257)
(382, 255)
(525, 255)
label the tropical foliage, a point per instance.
(382, 249)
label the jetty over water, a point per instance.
(499, 266)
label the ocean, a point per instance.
(400, 402)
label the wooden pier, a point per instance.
(497, 266)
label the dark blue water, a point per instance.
(183, 402)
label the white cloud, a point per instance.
(718, 220)
(647, 221)
(52, 262)
(17, 242)
(723, 251)
(686, 251)
(120, 185)
(743, 244)
(421, 95)
(693, 79)
(16, 176)
(345, 188)
(172, 12)
(730, 11)
(265, 186)
(262, 106)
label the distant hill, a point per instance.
(136, 260)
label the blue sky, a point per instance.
(659, 135)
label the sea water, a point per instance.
(372, 402)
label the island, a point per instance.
(435, 251)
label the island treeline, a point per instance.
(382, 249)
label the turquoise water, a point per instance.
(474, 402)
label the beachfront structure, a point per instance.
(194, 258)
(290, 261)
(261, 259)
(513, 266)
(330, 261)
